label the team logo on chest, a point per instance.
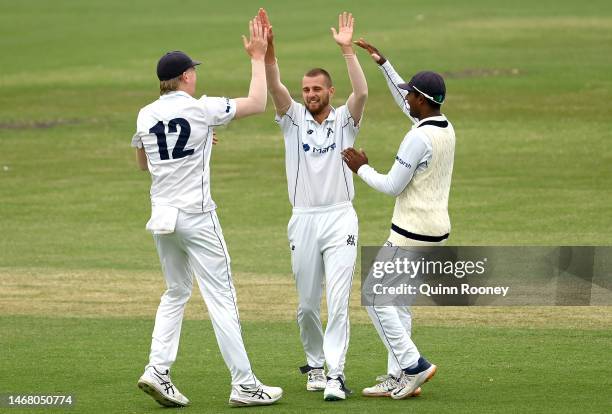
(350, 240)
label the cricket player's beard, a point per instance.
(317, 105)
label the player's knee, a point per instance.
(338, 312)
(308, 310)
(381, 313)
(178, 292)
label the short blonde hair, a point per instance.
(169, 85)
(313, 73)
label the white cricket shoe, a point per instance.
(335, 390)
(259, 395)
(412, 379)
(158, 385)
(316, 380)
(387, 383)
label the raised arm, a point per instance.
(344, 37)
(391, 76)
(280, 93)
(255, 47)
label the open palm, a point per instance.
(344, 35)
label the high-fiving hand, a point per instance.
(344, 35)
(374, 53)
(265, 21)
(257, 44)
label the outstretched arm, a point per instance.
(391, 76)
(344, 37)
(255, 47)
(280, 93)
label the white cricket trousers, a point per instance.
(197, 248)
(323, 242)
(394, 327)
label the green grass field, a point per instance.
(529, 94)
(481, 370)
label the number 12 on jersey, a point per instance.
(179, 151)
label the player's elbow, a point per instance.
(394, 190)
(251, 106)
(362, 95)
(258, 108)
(259, 104)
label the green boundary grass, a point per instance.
(480, 369)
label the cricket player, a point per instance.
(173, 140)
(420, 179)
(323, 230)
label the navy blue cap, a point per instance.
(429, 84)
(172, 64)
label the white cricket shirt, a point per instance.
(176, 132)
(316, 174)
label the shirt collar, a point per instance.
(431, 118)
(173, 94)
(331, 117)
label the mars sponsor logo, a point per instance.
(319, 150)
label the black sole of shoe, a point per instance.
(333, 398)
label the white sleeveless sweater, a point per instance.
(422, 208)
